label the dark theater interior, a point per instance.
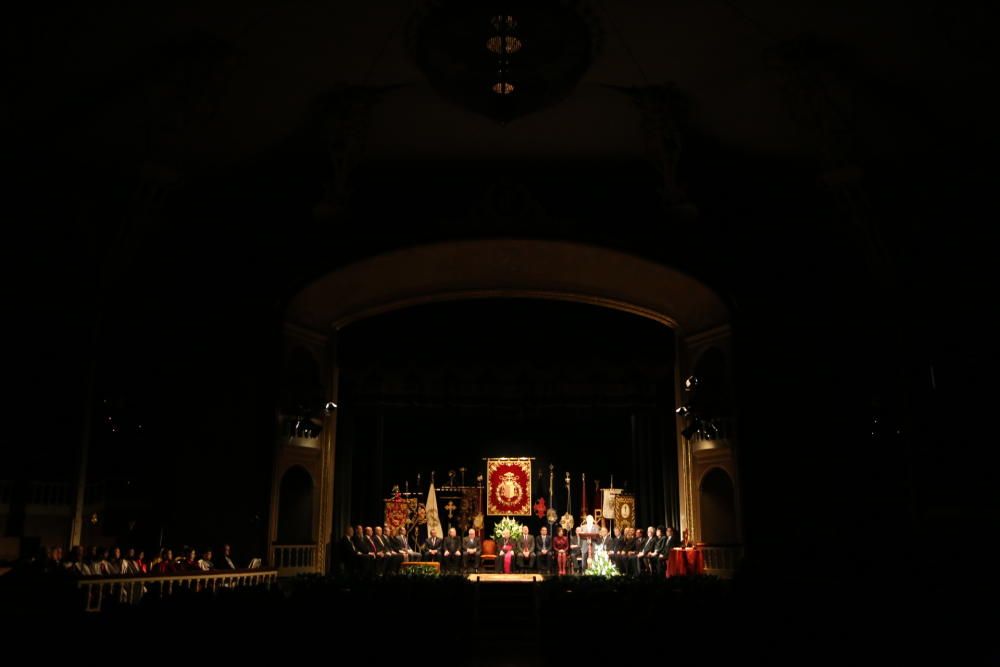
(500, 332)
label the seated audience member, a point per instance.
(526, 551)
(616, 539)
(205, 562)
(452, 552)
(561, 546)
(574, 552)
(115, 561)
(660, 553)
(347, 553)
(626, 550)
(227, 562)
(102, 566)
(667, 544)
(645, 554)
(432, 547)
(166, 564)
(544, 547)
(402, 547)
(74, 562)
(369, 551)
(505, 554)
(383, 563)
(471, 549)
(128, 562)
(191, 562)
(53, 561)
(605, 543)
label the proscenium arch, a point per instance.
(502, 268)
(554, 270)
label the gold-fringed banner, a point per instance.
(624, 510)
(400, 512)
(508, 487)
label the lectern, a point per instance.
(590, 537)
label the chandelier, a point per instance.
(507, 61)
(503, 43)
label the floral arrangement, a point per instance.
(601, 566)
(509, 524)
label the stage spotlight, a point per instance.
(691, 383)
(692, 428)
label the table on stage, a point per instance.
(685, 561)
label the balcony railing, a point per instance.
(293, 559)
(130, 590)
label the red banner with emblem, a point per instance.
(399, 512)
(508, 487)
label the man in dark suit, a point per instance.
(347, 553)
(525, 551)
(368, 550)
(401, 545)
(645, 554)
(359, 536)
(385, 561)
(543, 545)
(432, 547)
(452, 551)
(227, 562)
(667, 543)
(471, 548)
(606, 542)
(658, 557)
(637, 544)
(614, 550)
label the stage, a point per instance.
(507, 578)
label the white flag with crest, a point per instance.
(433, 520)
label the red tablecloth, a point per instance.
(685, 562)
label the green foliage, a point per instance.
(509, 524)
(601, 566)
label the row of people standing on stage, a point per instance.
(373, 551)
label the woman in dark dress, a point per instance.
(561, 545)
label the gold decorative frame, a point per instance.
(625, 511)
(508, 487)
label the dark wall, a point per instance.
(188, 302)
(440, 387)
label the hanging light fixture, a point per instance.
(503, 42)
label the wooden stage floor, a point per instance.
(485, 578)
